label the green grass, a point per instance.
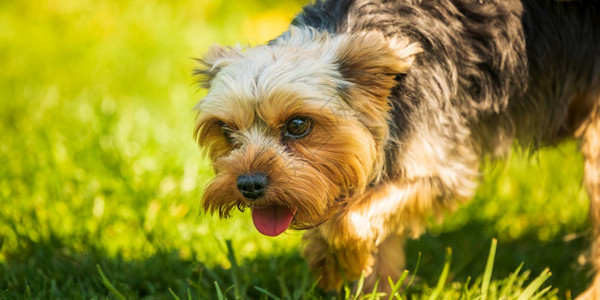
(100, 179)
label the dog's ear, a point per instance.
(216, 58)
(371, 63)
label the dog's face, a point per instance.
(295, 127)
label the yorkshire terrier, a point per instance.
(368, 116)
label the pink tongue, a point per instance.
(272, 220)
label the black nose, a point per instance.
(252, 186)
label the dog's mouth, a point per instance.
(272, 220)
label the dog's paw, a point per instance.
(322, 261)
(335, 264)
(350, 230)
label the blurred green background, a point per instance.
(98, 165)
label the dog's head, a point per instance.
(296, 126)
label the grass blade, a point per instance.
(219, 293)
(443, 276)
(109, 285)
(359, 286)
(412, 278)
(302, 288)
(235, 270)
(395, 287)
(174, 295)
(487, 274)
(285, 293)
(374, 294)
(535, 285)
(511, 281)
(269, 294)
(466, 292)
(541, 293)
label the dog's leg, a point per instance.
(335, 265)
(389, 263)
(344, 246)
(332, 265)
(589, 132)
(321, 260)
(349, 241)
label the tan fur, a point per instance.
(589, 132)
(365, 61)
(389, 261)
(254, 113)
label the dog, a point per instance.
(366, 117)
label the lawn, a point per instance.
(100, 178)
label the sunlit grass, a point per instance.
(98, 167)
(97, 117)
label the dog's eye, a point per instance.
(297, 127)
(226, 131)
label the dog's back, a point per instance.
(563, 54)
(553, 78)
